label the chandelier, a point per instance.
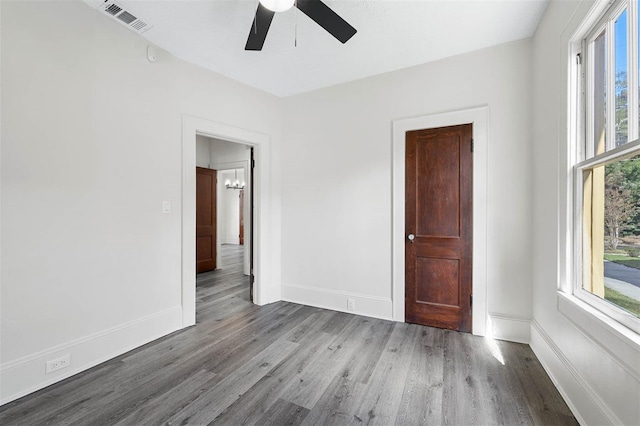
(236, 183)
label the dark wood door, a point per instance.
(241, 235)
(438, 226)
(206, 182)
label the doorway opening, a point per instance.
(223, 236)
(257, 242)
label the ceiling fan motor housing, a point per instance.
(277, 5)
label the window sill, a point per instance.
(620, 342)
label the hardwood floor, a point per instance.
(288, 364)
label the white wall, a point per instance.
(230, 208)
(336, 198)
(90, 264)
(203, 148)
(224, 153)
(596, 366)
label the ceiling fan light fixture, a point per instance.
(317, 10)
(277, 5)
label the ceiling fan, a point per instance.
(314, 9)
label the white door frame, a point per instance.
(192, 126)
(479, 118)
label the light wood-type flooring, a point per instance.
(289, 364)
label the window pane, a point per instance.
(599, 93)
(612, 233)
(622, 107)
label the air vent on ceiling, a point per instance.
(125, 16)
(113, 9)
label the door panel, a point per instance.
(204, 247)
(438, 194)
(441, 271)
(206, 182)
(438, 162)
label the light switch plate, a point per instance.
(166, 207)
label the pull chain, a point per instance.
(295, 37)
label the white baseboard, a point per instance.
(370, 306)
(25, 375)
(509, 327)
(274, 294)
(269, 295)
(585, 404)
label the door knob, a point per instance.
(411, 237)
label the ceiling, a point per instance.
(392, 34)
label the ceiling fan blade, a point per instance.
(259, 28)
(327, 19)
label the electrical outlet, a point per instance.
(58, 363)
(351, 304)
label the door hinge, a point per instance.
(253, 163)
(579, 59)
(471, 300)
(472, 145)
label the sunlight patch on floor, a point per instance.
(495, 350)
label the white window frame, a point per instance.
(609, 309)
(583, 152)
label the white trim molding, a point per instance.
(509, 327)
(619, 342)
(192, 126)
(336, 300)
(583, 401)
(480, 118)
(25, 375)
(244, 164)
